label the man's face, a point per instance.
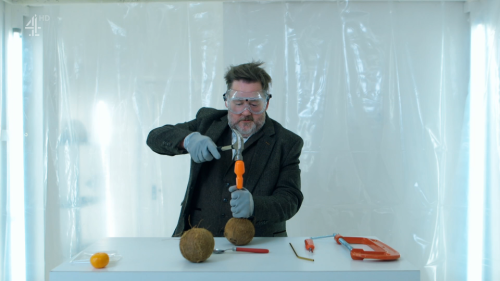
(247, 123)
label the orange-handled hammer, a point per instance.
(239, 170)
(239, 166)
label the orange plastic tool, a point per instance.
(380, 251)
(239, 170)
(309, 245)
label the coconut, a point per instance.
(239, 231)
(197, 244)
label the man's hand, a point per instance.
(241, 202)
(201, 148)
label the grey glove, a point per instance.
(241, 202)
(201, 147)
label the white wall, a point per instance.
(3, 144)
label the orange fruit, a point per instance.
(99, 260)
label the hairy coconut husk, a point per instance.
(239, 231)
(197, 244)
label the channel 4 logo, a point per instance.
(33, 24)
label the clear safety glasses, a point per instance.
(237, 101)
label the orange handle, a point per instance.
(239, 170)
(309, 245)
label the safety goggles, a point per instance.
(238, 101)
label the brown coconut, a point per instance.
(239, 231)
(197, 244)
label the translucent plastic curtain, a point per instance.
(128, 69)
(377, 90)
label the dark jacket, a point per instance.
(275, 174)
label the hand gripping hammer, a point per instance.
(239, 166)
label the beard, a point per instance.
(246, 129)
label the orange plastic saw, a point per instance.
(380, 251)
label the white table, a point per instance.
(149, 259)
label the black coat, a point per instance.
(274, 183)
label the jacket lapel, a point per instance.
(263, 149)
(217, 128)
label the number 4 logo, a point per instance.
(33, 25)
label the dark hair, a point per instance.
(248, 72)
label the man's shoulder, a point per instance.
(285, 133)
(210, 113)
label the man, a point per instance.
(271, 193)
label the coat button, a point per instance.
(224, 200)
(227, 184)
(222, 215)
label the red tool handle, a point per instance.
(309, 245)
(252, 250)
(239, 170)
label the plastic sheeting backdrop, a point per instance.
(378, 91)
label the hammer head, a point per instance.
(238, 146)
